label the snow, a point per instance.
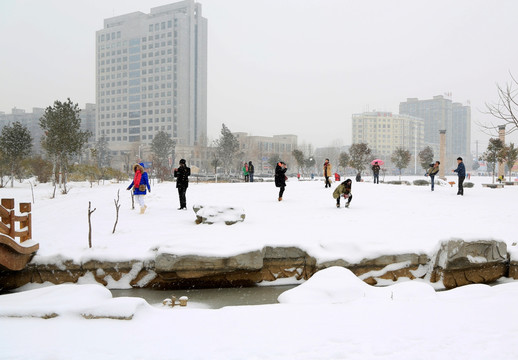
(333, 315)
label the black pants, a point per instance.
(348, 200)
(376, 178)
(281, 191)
(181, 193)
(328, 183)
(461, 185)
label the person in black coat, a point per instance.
(461, 172)
(280, 178)
(251, 171)
(182, 174)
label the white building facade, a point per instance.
(151, 75)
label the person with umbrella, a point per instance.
(376, 170)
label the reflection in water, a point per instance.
(211, 298)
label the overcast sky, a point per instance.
(282, 66)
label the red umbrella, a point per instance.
(379, 161)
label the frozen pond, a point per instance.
(211, 298)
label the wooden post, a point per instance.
(8, 204)
(26, 208)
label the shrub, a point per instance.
(468, 184)
(398, 182)
(421, 182)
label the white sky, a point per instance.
(282, 66)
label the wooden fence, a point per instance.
(10, 220)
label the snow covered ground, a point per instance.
(383, 219)
(331, 316)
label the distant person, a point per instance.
(246, 174)
(327, 172)
(251, 170)
(344, 189)
(500, 178)
(182, 174)
(358, 177)
(432, 171)
(376, 172)
(337, 177)
(461, 172)
(280, 178)
(139, 184)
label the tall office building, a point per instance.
(384, 132)
(461, 130)
(440, 114)
(151, 75)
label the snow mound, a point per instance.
(339, 285)
(91, 301)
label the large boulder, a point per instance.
(458, 262)
(218, 214)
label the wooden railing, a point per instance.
(9, 220)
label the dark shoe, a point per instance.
(347, 205)
(280, 199)
(337, 205)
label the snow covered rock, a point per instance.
(460, 262)
(216, 214)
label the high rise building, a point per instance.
(151, 75)
(384, 132)
(461, 130)
(440, 114)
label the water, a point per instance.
(211, 298)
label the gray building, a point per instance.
(151, 75)
(439, 113)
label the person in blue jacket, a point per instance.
(461, 172)
(139, 184)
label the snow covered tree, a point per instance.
(227, 148)
(426, 157)
(299, 158)
(343, 160)
(494, 154)
(359, 156)
(400, 158)
(162, 147)
(15, 145)
(63, 138)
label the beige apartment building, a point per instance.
(385, 131)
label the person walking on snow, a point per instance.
(139, 184)
(280, 178)
(246, 174)
(327, 172)
(182, 182)
(251, 171)
(432, 171)
(376, 172)
(461, 172)
(345, 190)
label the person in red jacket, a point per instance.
(139, 184)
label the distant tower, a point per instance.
(442, 152)
(501, 135)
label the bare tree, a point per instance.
(117, 207)
(505, 109)
(90, 212)
(400, 158)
